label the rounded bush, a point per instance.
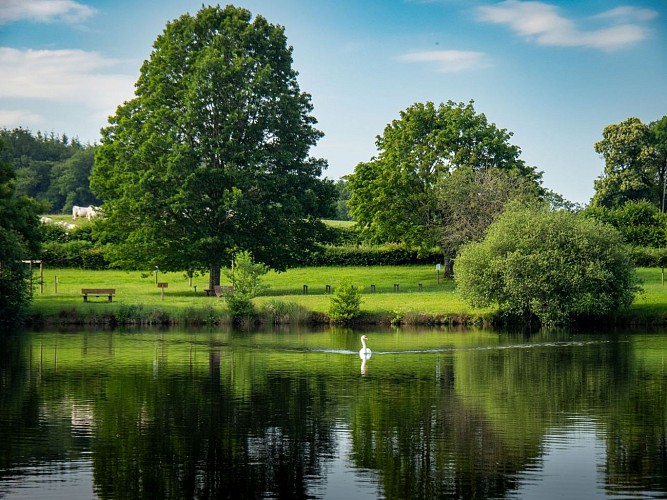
(557, 267)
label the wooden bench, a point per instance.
(222, 291)
(98, 292)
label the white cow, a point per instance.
(88, 212)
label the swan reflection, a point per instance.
(365, 354)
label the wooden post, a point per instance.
(162, 286)
(55, 284)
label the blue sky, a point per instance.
(554, 73)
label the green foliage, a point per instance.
(19, 240)
(370, 255)
(212, 155)
(639, 222)
(73, 248)
(470, 200)
(394, 195)
(50, 168)
(649, 257)
(246, 276)
(345, 303)
(343, 195)
(76, 253)
(635, 157)
(555, 266)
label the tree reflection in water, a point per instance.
(452, 415)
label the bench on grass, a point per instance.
(98, 292)
(222, 291)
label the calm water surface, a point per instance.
(296, 414)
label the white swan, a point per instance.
(364, 352)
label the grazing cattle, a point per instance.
(88, 212)
(45, 220)
(66, 225)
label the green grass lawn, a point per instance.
(61, 292)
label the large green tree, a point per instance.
(212, 155)
(635, 156)
(394, 196)
(19, 240)
(468, 201)
(556, 266)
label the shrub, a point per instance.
(554, 266)
(76, 253)
(246, 277)
(345, 303)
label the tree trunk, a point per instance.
(214, 276)
(449, 267)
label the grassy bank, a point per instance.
(139, 300)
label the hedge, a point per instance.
(370, 255)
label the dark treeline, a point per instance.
(52, 169)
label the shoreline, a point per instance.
(138, 316)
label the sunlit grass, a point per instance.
(138, 291)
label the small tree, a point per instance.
(557, 267)
(345, 302)
(245, 276)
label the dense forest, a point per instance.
(52, 169)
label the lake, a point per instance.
(293, 413)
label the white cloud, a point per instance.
(543, 23)
(627, 13)
(44, 11)
(74, 77)
(20, 118)
(449, 61)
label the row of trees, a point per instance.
(52, 169)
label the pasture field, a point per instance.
(60, 294)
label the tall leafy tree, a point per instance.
(212, 155)
(468, 201)
(394, 195)
(19, 240)
(631, 171)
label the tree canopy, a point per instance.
(635, 156)
(212, 155)
(556, 266)
(468, 201)
(19, 240)
(394, 195)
